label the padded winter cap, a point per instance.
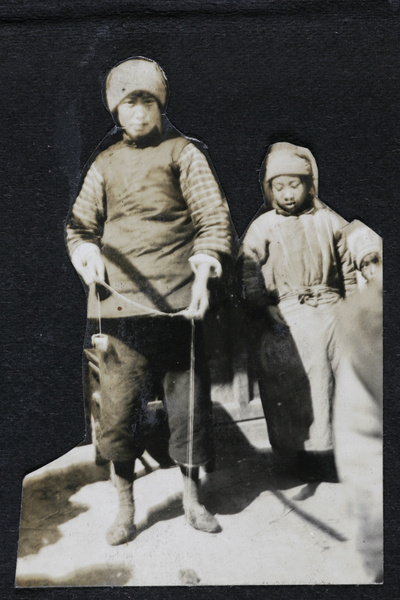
(287, 159)
(363, 241)
(134, 75)
(284, 158)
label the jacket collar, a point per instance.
(154, 138)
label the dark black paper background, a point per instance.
(242, 75)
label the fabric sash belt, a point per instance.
(312, 295)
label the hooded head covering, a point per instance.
(362, 241)
(284, 158)
(134, 75)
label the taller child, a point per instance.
(151, 221)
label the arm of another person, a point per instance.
(83, 229)
(346, 261)
(211, 219)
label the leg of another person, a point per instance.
(358, 453)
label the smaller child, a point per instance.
(366, 250)
(296, 268)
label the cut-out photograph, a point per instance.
(150, 235)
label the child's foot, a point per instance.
(121, 532)
(198, 517)
(317, 467)
(306, 492)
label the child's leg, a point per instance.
(284, 390)
(177, 392)
(196, 514)
(124, 373)
(123, 529)
(307, 328)
(190, 446)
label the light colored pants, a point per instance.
(313, 329)
(296, 374)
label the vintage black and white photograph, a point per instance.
(202, 207)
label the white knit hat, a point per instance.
(134, 75)
(362, 241)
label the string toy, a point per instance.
(154, 311)
(149, 311)
(191, 408)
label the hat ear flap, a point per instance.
(314, 169)
(265, 185)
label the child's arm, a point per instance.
(253, 254)
(347, 264)
(210, 216)
(207, 207)
(83, 229)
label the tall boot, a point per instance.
(123, 529)
(195, 513)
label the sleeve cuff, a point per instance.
(199, 259)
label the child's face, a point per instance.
(371, 267)
(289, 192)
(138, 114)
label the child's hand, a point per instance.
(275, 315)
(200, 295)
(94, 271)
(89, 263)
